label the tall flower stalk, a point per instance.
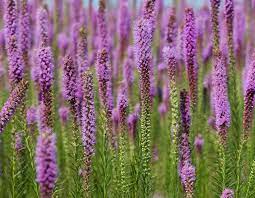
(10, 106)
(15, 59)
(143, 57)
(170, 61)
(46, 163)
(88, 127)
(190, 53)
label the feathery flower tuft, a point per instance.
(31, 115)
(88, 124)
(188, 177)
(16, 63)
(43, 27)
(227, 193)
(199, 143)
(215, 5)
(190, 53)
(10, 106)
(104, 77)
(25, 29)
(63, 114)
(171, 29)
(46, 163)
(102, 26)
(185, 111)
(123, 26)
(122, 105)
(220, 97)
(69, 78)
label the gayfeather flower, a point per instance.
(143, 57)
(25, 29)
(215, 5)
(132, 123)
(10, 106)
(239, 29)
(122, 105)
(170, 60)
(188, 177)
(46, 72)
(227, 193)
(229, 14)
(171, 29)
(88, 123)
(69, 78)
(63, 42)
(82, 52)
(63, 114)
(249, 100)
(190, 53)
(102, 26)
(16, 63)
(18, 141)
(105, 80)
(220, 97)
(149, 12)
(185, 111)
(123, 26)
(43, 25)
(31, 115)
(46, 69)
(128, 70)
(199, 143)
(46, 163)
(115, 120)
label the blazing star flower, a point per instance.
(43, 27)
(16, 63)
(199, 143)
(10, 106)
(171, 30)
(190, 53)
(63, 42)
(25, 29)
(122, 105)
(88, 122)
(188, 177)
(123, 26)
(128, 69)
(18, 141)
(185, 111)
(46, 163)
(31, 115)
(220, 97)
(63, 114)
(215, 5)
(102, 26)
(227, 193)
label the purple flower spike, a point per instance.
(18, 141)
(104, 78)
(162, 109)
(149, 12)
(171, 30)
(46, 67)
(88, 123)
(220, 97)
(102, 26)
(16, 63)
(227, 193)
(123, 26)
(82, 52)
(31, 115)
(25, 28)
(69, 78)
(188, 178)
(199, 143)
(46, 163)
(122, 105)
(63, 42)
(10, 106)
(190, 53)
(185, 111)
(63, 114)
(43, 27)
(128, 69)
